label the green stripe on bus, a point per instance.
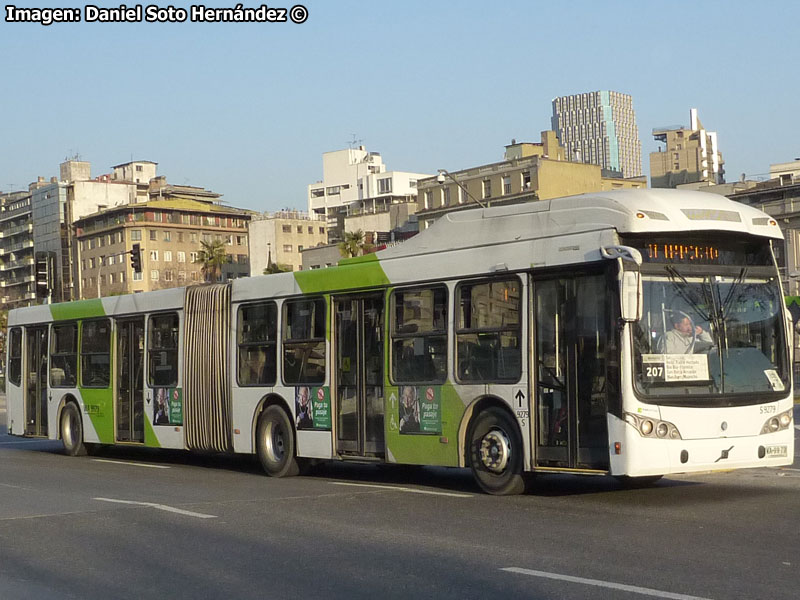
(420, 448)
(360, 272)
(150, 437)
(98, 403)
(83, 309)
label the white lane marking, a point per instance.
(402, 489)
(16, 487)
(606, 584)
(171, 509)
(133, 464)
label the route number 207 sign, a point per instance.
(675, 367)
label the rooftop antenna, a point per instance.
(354, 143)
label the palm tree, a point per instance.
(212, 256)
(354, 244)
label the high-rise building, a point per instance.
(16, 250)
(599, 128)
(690, 155)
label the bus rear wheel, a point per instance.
(72, 430)
(275, 443)
(495, 453)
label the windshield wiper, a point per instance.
(736, 283)
(685, 292)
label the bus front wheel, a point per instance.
(275, 443)
(72, 430)
(495, 453)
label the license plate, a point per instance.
(778, 451)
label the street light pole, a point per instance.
(441, 178)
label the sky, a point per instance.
(248, 109)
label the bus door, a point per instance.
(358, 359)
(571, 331)
(130, 380)
(36, 381)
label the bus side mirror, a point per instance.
(631, 296)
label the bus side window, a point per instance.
(304, 341)
(64, 355)
(256, 335)
(162, 366)
(15, 357)
(96, 353)
(419, 335)
(488, 331)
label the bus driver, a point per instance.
(680, 339)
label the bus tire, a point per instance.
(275, 443)
(71, 427)
(495, 453)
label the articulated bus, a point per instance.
(630, 333)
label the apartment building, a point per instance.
(280, 238)
(169, 230)
(356, 183)
(780, 198)
(689, 155)
(16, 250)
(534, 173)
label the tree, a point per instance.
(212, 256)
(273, 268)
(354, 244)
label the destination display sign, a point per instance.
(682, 250)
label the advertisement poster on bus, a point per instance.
(168, 406)
(420, 410)
(312, 408)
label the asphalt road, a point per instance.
(146, 524)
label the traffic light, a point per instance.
(136, 258)
(44, 274)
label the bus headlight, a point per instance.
(651, 428)
(778, 422)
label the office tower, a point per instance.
(599, 128)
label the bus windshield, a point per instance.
(710, 338)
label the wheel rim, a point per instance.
(274, 442)
(495, 451)
(69, 429)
